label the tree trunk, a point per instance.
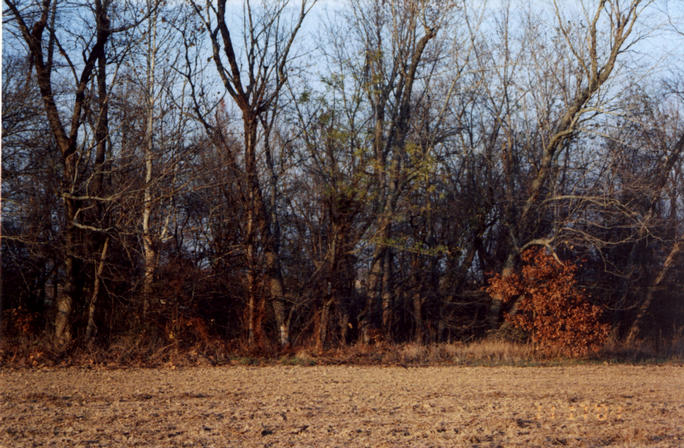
(323, 325)
(418, 317)
(344, 324)
(258, 224)
(494, 311)
(386, 296)
(91, 327)
(251, 297)
(277, 294)
(637, 325)
(251, 277)
(373, 292)
(70, 293)
(149, 252)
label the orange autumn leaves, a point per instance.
(550, 307)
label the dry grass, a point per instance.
(484, 351)
(133, 351)
(492, 352)
(671, 349)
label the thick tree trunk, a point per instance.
(70, 292)
(258, 224)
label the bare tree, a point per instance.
(33, 22)
(394, 39)
(668, 174)
(594, 52)
(196, 170)
(255, 83)
(82, 190)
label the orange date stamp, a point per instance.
(579, 412)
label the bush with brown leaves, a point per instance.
(550, 306)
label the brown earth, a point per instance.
(344, 406)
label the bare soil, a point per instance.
(345, 406)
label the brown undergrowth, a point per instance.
(134, 351)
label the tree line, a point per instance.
(286, 173)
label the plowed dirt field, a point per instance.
(345, 406)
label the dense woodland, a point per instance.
(274, 174)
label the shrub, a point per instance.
(550, 307)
